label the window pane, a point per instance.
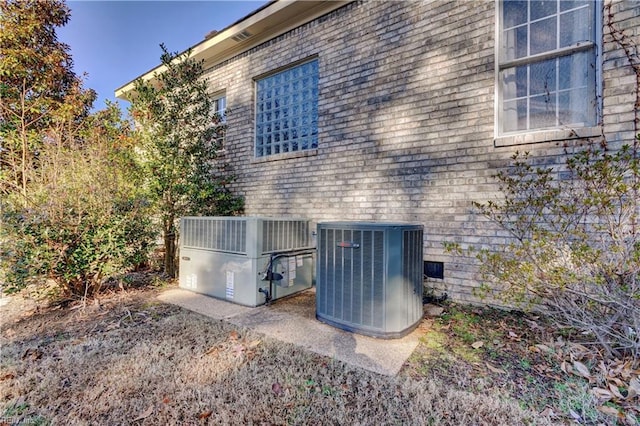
(514, 82)
(514, 12)
(543, 36)
(219, 106)
(515, 43)
(542, 111)
(514, 115)
(543, 77)
(577, 101)
(577, 70)
(576, 108)
(291, 101)
(572, 4)
(576, 26)
(542, 8)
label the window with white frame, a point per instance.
(546, 65)
(219, 116)
(287, 110)
(220, 107)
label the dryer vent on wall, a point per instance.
(370, 277)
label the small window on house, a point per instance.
(546, 65)
(220, 107)
(287, 110)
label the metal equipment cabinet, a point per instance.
(370, 277)
(246, 260)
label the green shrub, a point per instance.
(85, 219)
(78, 252)
(575, 246)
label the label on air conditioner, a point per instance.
(191, 281)
(230, 285)
(292, 270)
(348, 244)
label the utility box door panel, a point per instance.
(225, 276)
(296, 272)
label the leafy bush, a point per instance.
(71, 207)
(575, 250)
(180, 138)
(85, 219)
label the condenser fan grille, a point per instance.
(280, 235)
(353, 289)
(215, 234)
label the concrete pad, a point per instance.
(293, 320)
(205, 305)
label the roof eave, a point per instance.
(270, 21)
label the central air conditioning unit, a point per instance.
(370, 277)
(246, 260)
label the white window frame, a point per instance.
(220, 105)
(219, 100)
(559, 131)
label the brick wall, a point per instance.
(620, 82)
(406, 122)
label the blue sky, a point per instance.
(116, 41)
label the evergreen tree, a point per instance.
(181, 137)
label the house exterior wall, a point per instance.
(406, 122)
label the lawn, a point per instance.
(129, 359)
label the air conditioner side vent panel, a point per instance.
(217, 234)
(283, 235)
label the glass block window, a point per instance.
(287, 110)
(547, 65)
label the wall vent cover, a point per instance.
(241, 36)
(370, 277)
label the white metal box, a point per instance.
(245, 260)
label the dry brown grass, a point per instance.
(528, 359)
(135, 361)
